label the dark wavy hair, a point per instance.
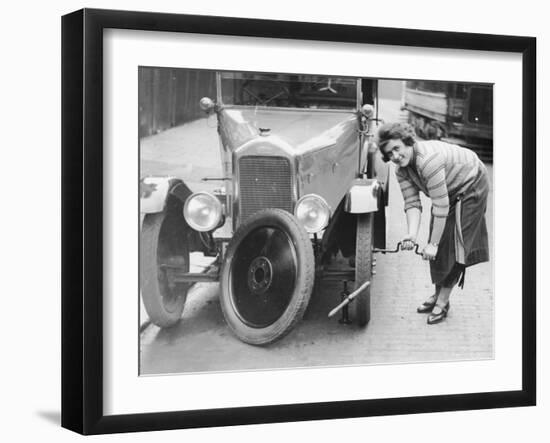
(394, 131)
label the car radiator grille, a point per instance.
(264, 182)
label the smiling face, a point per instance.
(397, 152)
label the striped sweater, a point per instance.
(440, 170)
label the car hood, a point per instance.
(301, 129)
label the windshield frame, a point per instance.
(358, 98)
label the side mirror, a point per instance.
(207, 104)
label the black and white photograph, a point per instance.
(241, 221)
(294, 220)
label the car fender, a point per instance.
(382, 174)
(363, 196)
(157, 192)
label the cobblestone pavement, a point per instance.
(396, 333)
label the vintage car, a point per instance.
(303, 195)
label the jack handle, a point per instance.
(397, 249)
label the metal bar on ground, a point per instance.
(349, 298)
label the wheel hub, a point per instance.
(260, 275)
(263, 276)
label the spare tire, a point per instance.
(267, 277)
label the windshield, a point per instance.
(288, 91)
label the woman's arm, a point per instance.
(413, 210)
(413, 224)
(437, 230)
(430, 250)
(433, 171)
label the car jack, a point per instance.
(344, 320)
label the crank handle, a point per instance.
(397, 249)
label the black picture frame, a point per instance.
(82, 218)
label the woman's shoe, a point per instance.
(437, 318)
(428, 305)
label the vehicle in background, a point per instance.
(460, 113)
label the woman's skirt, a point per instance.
(464, 241)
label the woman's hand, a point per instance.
(408, 242)
(429, 252)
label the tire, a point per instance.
(267, 277)
(163, 242)
(360, 307)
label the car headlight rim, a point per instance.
(203, 211)
(313, 212)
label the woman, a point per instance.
(456, 181)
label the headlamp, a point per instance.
(313, 212)
(203, 212)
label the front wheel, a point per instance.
(363, 267)
(267, 277)
(163, 250)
